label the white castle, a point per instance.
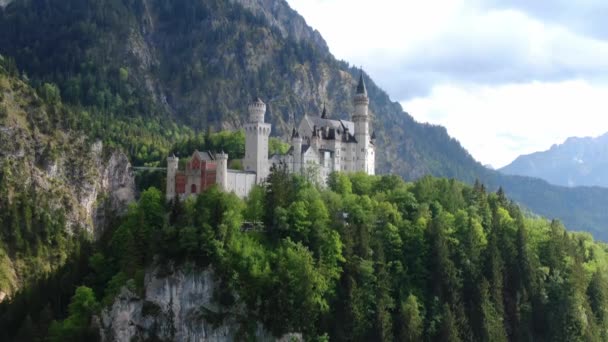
(319, 146)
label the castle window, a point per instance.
(193, 189)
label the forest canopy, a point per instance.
(367, 258)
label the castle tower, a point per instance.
(256, 141)
(365, 158)
(172, 164)
(221, 176)
(296, 142)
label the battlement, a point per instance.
(257, 110)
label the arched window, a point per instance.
(193, 189)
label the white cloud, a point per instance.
(503, 79)
(496, 124)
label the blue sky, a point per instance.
(504, 77)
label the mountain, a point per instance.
(58, 188)
(576, 162)
(145, 74)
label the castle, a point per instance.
(319, 146)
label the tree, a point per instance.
(77, 326)
(410, 320)
(448, 331)
(492, 327)
(340, 183)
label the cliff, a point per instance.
(179, 306)
(56, 185)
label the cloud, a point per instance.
(411, 46)
(504, 77)
(498, 123)
(587, 17)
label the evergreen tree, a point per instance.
(448, 331)
(411, 321)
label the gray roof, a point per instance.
(206, 155)
(336, 124)
(361, 89)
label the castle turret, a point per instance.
(296, 142)
(365, 159)
(172, 164)
(256, 141)
(221, 176)
(257, 110)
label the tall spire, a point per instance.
(324, 113)
(295, 133)
(361, 89)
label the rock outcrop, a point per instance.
(178, 306)
(74, 183)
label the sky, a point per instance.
(504, 77)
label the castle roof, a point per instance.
(295, 133)
(322, 122)
(206, 155)
(361, 89)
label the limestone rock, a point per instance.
(176, 307)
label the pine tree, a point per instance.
(448, 331)
(493, 328)
(411, 323)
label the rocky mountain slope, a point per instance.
(55, 185)
(179, 306)
(576, 162)
(150, 72)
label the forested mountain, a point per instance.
(368, 258)
(372, 258)
(149, 73)
(578, 161)
(57, 187)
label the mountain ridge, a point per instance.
(151, 73)
(578, 161)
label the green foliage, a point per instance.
(50, 93)
(77, 327)
(369, 258)
(411, 323)
(277, 146)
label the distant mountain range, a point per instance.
(576, 162)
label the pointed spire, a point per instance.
(294, 133)
(324, 113)
(361, 89)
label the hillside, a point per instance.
(576, 162)
(151, 73)
(370, 258)
(57, 188)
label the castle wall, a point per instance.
(180, 183)
(240, 182)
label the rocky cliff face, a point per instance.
(87, 185)
(178, 306)
(51, 180)
(290, 24)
